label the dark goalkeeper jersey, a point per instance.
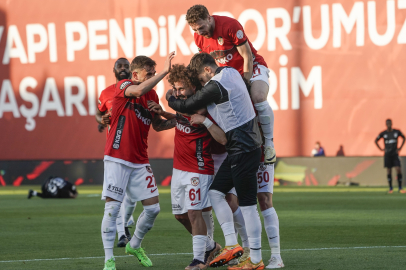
(391, 140)
(56, 187)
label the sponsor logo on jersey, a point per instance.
(148, 169)
(183, 128)
(226, 59)
(262, 186)
(390, 141)
(143, 114)
(240, 34)
(220, 40)
(194, 181)
(176, 207)
(119, 132)
(395, 135)
(124, 84)
(115, 189)
(199, 153)
(194, 204)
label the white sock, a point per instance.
(199, 247)
(271, 223)
(254, 231)
(239, 224)
(224, 216)
(210, 244)
(128, 209)
(108, 227)
(145, 223)
(208, 219)
(266, 118)
(120, 222)
(34, 193)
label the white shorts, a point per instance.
(218, 160)
(119, 179)
(189, 191)
(260, 73)
(265, 179)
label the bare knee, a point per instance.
(108, 199)
(259, 91)
(183, 218)
(264, 200)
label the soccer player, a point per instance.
(391, 158)
(193, 170)
(126, 163)
(55, 187)
(121, 71)
(227, 100)
(224, 39)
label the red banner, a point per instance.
(336, 69)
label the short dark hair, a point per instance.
(388, 120)
(196, 13)
(140, 62)
(201, 60)
(180, 73)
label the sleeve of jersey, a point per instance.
(236, 33)
(121, 87)
(379, 136)
(208, 94)
(102, 104)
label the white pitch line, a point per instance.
(171, 254)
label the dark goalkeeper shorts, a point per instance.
(391, 161)
(239, 171)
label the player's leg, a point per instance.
(115, 181)
(207, 214)
(389, 175)
(399, 176)
(259, 94)
(128, 208)
(33, 193)
(178, 194)
(142, 187)
(245, 182)
(239, 225)
(126, 211)
(222, 183)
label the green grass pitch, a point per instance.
(321, 228)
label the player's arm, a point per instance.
(141, 89)
(245, 51)
(159, 124)
(216, 132)
(403, 141)
(156, 108)
(208, 94)
(376, 142)
(98, 116)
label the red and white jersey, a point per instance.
(130, 123)
(227, 35)
(106, 102)
(192, 147)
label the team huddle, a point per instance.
(223, 155)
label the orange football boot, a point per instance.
(390, 191)
(402, 191)
(227, 254)
(248, 265)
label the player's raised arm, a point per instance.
(245, 51)
(146, 86)
(216, 132)
(159, 124)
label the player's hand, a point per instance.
(169, 94)
(167, 65)
(154, 107)
(197, 119)
(105, 119)
(100, 127)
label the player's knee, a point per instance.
(264, 200)
(152, 210)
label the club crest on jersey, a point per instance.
(262, 167)
(124, 84)
(194, 181)
(240, 34)
(148, 169)
(220, 40)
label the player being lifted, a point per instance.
(192, 169)
(121, 71)
(391, 158)
(224, 39)
(126, 164)
(227, 100)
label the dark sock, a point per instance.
(400, 180)
(390, 181)
(39, 195)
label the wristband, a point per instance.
(207, 122)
